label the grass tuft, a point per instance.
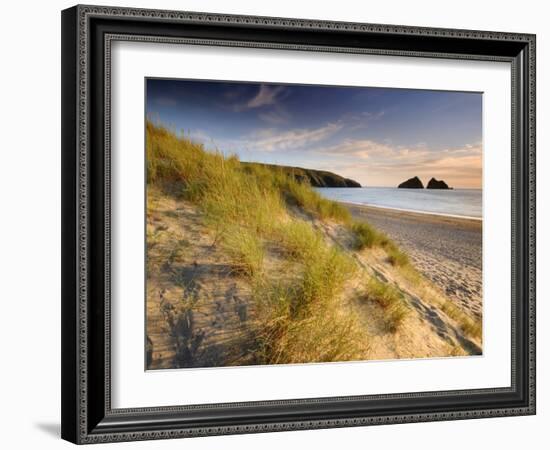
(299, 240)
(395, 256)
(367, 237)
(288, 335)
(302, 195)
(245, 250)
(391, 300)
(468, 325)
(324, 276)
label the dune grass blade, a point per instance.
(391, 300)
(245, 250)
(395, 256)
(302, 195)
(287, 335)
(367, 236)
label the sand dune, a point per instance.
(201, 314)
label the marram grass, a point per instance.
(391, 300)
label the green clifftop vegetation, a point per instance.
(316, 178)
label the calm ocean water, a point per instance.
(455, 202)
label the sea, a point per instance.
(451, 202)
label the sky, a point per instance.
(376, 136)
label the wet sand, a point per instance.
(447, 250)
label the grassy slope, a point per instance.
(257, 211)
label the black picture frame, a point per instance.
(87, 32)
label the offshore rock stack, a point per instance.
(437, 184)
(412, 183)
(416, 183)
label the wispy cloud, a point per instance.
(273, 139)
(278, 117)
(363, 119)
(266, 95)
(360, 148)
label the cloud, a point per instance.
(363, 119)
(361, 148)
(277, 117)
(265, 96)
(271, 139)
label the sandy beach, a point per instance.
(447, 250)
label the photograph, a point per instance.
(294, 223)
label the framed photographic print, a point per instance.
(280, 224)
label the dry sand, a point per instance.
(447, 250)
(197, 311)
